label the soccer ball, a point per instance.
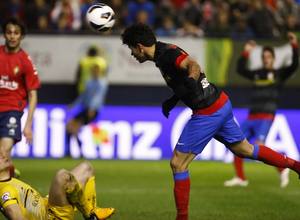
(100, 17)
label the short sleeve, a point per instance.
(8, 196)
(176, 55)
(31, 75)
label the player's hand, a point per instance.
(168, 105)
(91, 114)
(250, 45)
(27, 132)
(292, 38)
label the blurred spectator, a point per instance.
(192, 12)
(135, 6)
(289, 7)
(238, 9)
(37, 15)
(241, 30)
(221, 27)
(207, 14)
(168, 27)
(291, 24)
(189, 29)
(178, 3)
(3, 11)
(16, 9)
(262, 21)
(66, 15)
(264, 18)
(165, 8)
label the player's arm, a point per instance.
(286, 72)
(242, 63)
(192, 67)
(193, 74)
(168, 105)
(13, 212)
(32, 102)
(32, 84)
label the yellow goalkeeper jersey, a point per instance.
(32, 204)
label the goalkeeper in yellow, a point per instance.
(69, 190)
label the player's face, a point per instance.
(4, 162)
(268, 59)
(13, 37)
(138, 54)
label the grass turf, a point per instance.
(143, 190)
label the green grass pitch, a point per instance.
(143, 190)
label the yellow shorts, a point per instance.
(60, 212)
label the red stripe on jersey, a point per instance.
(266, 116)
(180, 59)
(213, 107)
(245, 54)
(295, 46)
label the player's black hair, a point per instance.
(16, 22)
(92, 51)
(138, 33)
(270, 49)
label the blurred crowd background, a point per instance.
(238, 19)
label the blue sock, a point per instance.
(181, 176)
(255, 151)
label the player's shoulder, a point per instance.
(170, 48)
(8, 193)
(7, 188)
(24, 56)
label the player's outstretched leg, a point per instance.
(266, 155)
(179, 165)
(239, 179)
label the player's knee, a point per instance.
(62, 177)
(177, 166)
(245, 151)
(88, 168)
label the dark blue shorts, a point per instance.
(84, 118)
(10, 125)
(200, 129)
(256, 129)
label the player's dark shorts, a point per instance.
(257, 129)
(200, 129)
(83, 117)
(10, 125)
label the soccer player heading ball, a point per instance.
(212, 112)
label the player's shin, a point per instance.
(181, 194)
(274, 158)
(78, 196)
(89, 193)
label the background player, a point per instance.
(18, 82)
(267, 83)
(93, 57)
(69, 189)
(212, 112)
(89, 101)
